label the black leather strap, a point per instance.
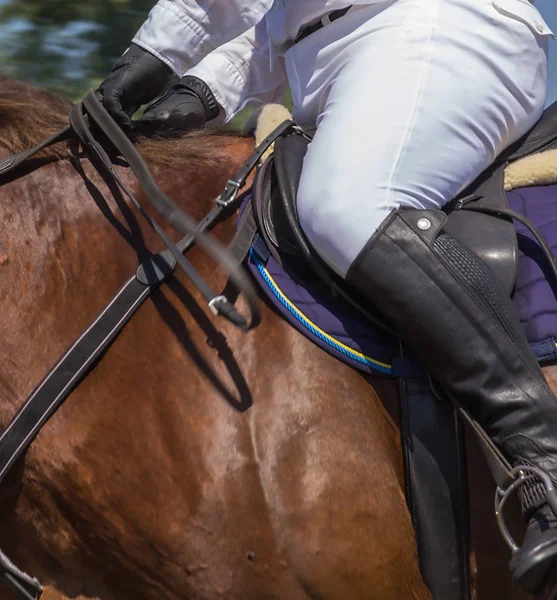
(49, 395)
(236, 183)
(11, 163)
(71, 368)
(333, 16)
(499, 466)
(436, 489)
(178, 218)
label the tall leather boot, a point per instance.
(447, 306)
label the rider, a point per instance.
(412, 100)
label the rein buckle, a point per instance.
(229, 193)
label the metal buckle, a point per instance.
(28, 587)
(213, 305)
(522, 474)
(297, 129)
(229, 193)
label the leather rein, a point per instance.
(87, 118)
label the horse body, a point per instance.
(195, 461)
(192, 462)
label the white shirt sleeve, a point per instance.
(239, 73)
(182, 32)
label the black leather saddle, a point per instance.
(492, 238)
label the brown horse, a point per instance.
(195, 461)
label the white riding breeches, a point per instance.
(412, 100)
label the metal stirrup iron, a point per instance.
(523, 474)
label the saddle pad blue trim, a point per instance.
(332, 324)
(346, 351)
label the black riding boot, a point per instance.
(447, 306)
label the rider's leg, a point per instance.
(413, 99)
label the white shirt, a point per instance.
(236, 46)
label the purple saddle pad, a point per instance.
(331, 323)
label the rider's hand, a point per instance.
(187, 105)
(136, 78)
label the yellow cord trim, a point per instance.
(323, 333)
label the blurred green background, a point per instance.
(67, 46)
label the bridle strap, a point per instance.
(219, 304)
(66, 375)
(92, 110)
(11, 163)
(70, 370)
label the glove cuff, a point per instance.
(212, 108)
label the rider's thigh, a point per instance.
(412, 99)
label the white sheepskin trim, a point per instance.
(538, 169)
(265, 120)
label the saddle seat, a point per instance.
(492, 239)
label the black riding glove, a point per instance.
(136, 78)
(189, 104)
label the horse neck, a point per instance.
(198, 168)
(67, 247)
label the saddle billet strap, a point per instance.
(240, 246)
(237, 182)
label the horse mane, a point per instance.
(28, 115)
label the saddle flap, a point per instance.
(492, 239)
(290, 152)
(275, 194)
